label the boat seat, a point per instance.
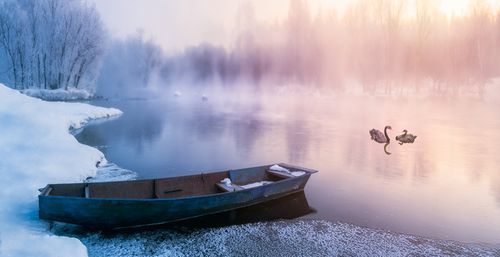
(279, 174)
(228, 188)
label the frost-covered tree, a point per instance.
(49, 43)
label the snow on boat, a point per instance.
(156, 201)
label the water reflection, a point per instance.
(444, 186)
(141, 125)
(297, 140)
(385, 148)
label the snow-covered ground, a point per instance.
(279, 238)
(70, 94)
(36, 148)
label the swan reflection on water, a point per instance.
(385, 148)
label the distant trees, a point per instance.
(377, 43)
(129, 65)
(49, 44)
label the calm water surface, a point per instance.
(446, 185)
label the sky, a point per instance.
(177, 24)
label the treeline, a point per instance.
(377, 43)
(49, 44)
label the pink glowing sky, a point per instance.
(178, 24)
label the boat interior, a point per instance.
(192, 185)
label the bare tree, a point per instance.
(50, 43)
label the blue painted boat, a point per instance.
(134, 203)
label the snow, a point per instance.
(278, 168)
(229, 183)
(256, 184)
(37, 149)
(297, 173)
(111, 172)
(70, 94)
(278, 238)
(226, 181)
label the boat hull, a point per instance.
(106, 213)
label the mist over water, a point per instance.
(442, 186)
(382, 47)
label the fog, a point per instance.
(376, 46)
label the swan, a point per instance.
(405, 138)
(380, 137)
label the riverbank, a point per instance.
(70, 94)
(279, 238)
(37, 149)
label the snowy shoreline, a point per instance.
(70, 94)
(299, 237)
(38, 148)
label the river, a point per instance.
(446, 185)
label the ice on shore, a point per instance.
(36, 148)
(109, 171)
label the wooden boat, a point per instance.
(156, 201)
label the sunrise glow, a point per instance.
(249, 128)
(451, 8)
(454, 7)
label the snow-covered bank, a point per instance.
(36, 148)
(281, 238)
(71, 94)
